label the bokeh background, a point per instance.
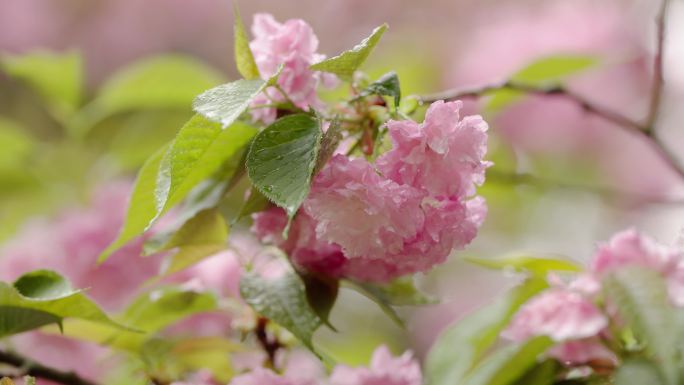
(133, 67)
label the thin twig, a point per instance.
(658, 77)
(28, 367)
(559, 91)
(645, 131)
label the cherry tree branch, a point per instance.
(644, 131)
(557, 91)
(658, 78)
(31, 368)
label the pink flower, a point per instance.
(367, 215)
(448, 225)
(85, 358)
(360, 224)
(580, 352)
(559, 314)
(292, 44)
(443, 155)
(220, 273)
(384, 370)
(302, 244)
(630, 248)
(298, 367)
(302, 365)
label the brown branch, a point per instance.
(645, 131)
(628, 125)
(558, 91)
(658, 78)
(268, 344)
(31, 368)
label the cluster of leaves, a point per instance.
(650, 344)
(219, 151)
(53, 132)
(213, 152)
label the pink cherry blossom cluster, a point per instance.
(403, 214)
(384, 369)
(293, 45)
(569, 313)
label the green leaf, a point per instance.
(321, 292)
(225, 103)
(501, 99)
(196, 354)
(400, 292)
(345, 64)
(282, 158)
(244, 59)
(151, 311)
(543, 374)
(142, 207)
(329, 142)
(256, 202)
(199, 150)
(203, 235)
(544, 73)
(57, 77)
(387, 85)
(282, 300)
(14, 319)
(470, 338)
(160, 308)
(129, 139)
(169, 360)
(15, 144)
(553, 69)
(170, 81)
(507, 365)
(409, 105)
(206, 227)
(524, 263)
(386, 307)
(643, 303)
(637, 371)
(43, 297)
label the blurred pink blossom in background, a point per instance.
(384, 369)
(71, 243)
(513, 37)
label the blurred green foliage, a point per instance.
(58, 139)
